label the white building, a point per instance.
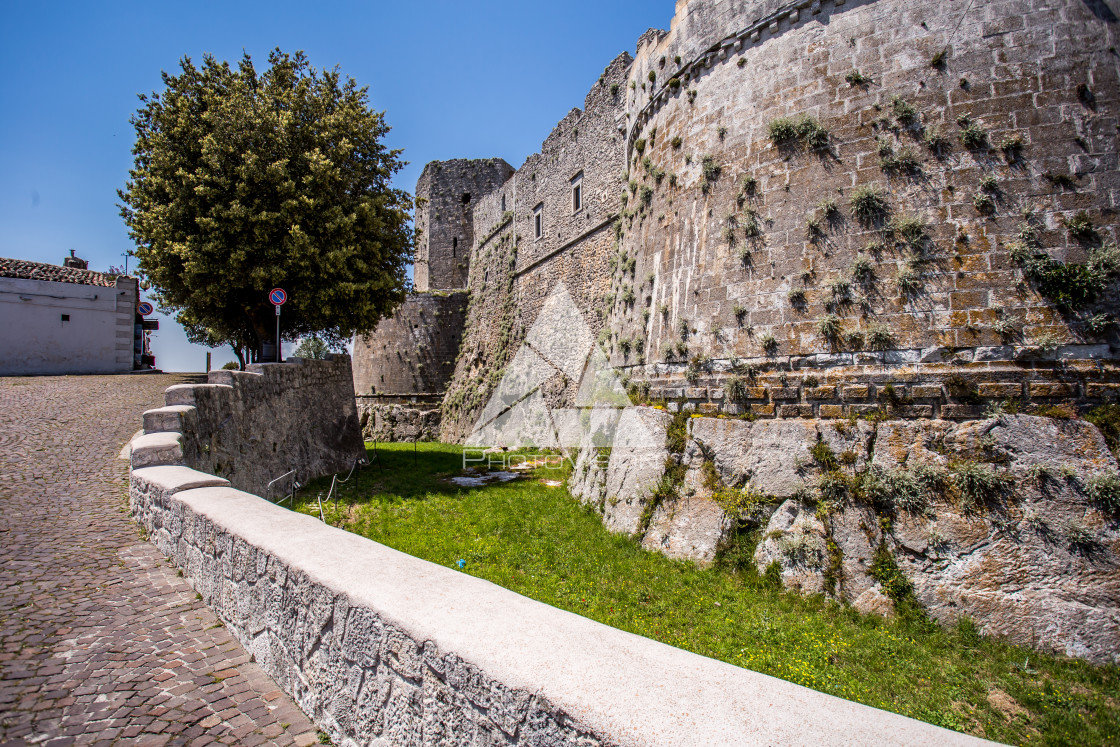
(67, 320)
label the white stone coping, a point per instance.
(626, 688)
(156, 448)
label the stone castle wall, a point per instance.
(253, 426)
(513, 270)
(763, 269)
(413, 351)
(739, 256)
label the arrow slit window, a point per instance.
(577, 192)
(538, 221)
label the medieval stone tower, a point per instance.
(401, 371)
(446, 196)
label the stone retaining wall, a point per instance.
(385, 649)
(253, 426)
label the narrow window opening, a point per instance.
(454, 245)
(466, 197)
(577, 192)
(538, 221)
(65, 317)
(503, 203)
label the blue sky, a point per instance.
(456, 80)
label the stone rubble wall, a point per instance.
(398, 421)
(381, 648)
(253, 426)
(1017, 566)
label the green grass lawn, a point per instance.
(540, 542)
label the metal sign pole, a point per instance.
(277, 333)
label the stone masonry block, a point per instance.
(763, 411)
(993, 389)
(821, 392)
(926, 391)
(856, 392)
(708, 408)
(1043, 389)
(831, 411)
(914, 411)
(696, 392)
(789, 392)
(960, 412)
(795, 411)
(1103, 391)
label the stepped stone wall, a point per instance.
(382, 648)
(250, 427)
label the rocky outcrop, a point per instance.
(991, 519)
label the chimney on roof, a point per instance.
(75, 262)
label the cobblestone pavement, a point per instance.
(101, 640)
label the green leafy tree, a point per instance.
(312, 347)
(244, 182)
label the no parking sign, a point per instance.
(144, 308)
(277, 296)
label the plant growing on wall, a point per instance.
(805, 130)
(242, 182)
(869, 205)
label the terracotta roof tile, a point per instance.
(22, 268)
